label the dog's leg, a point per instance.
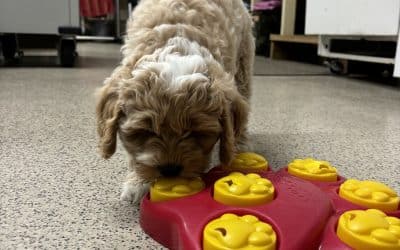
(134, 189)
(243, 79)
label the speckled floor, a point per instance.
(56, 192)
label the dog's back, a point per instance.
(218, 25)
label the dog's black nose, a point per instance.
(170, 170)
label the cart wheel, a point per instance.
(66, 52)
(338, 67)
(9, 46)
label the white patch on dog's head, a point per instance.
(180, 61)
(177, 69)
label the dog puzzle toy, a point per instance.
(248, 162)
(243, 190)
(369, 229)
(306, 205)
(245, 232)
(172, 188)
(371, 194)
(314, 170)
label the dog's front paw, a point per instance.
(134, 192)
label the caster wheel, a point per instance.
(337, 67)
(66, 52)
(20, 53)
(9, 46)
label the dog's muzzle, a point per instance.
(170, 170)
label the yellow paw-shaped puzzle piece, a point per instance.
(248, 162)
(171, 188)
(238, 189)
(369, 229)
(313, 170)
(238, 232)
(370, 194)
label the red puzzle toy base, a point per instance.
(299, 214)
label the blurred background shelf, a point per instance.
(329, 32)
(288, 46)
(345, 38)
(286, 39)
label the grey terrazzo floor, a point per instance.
(56, 192)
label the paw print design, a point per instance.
(238, 232)
(370, 194)
(313, 170)
(370, 229)
(243, 190)
(172, 188)
(248, 162)
(227, 209)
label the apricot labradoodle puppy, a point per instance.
(182, 86)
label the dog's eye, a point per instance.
(191, 134)
(141, 134)
(202, 134)
(206, 139)
(186, 134)
(199, 135)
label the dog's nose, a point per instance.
(170, 170)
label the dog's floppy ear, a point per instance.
(233, 119)
(108, 112)
(240, 110)
(227, 138)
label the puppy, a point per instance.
(182, 86)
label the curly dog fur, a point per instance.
(182, 86)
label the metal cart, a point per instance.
(46, 23)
